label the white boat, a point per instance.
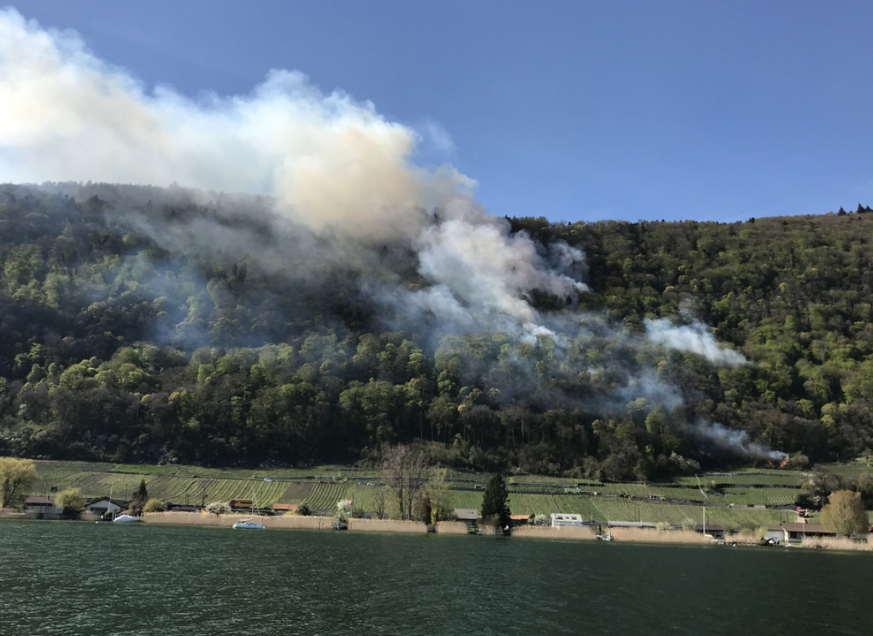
(126, 519)
(249, 524)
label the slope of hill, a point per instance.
(146, 324)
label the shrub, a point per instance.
(154, 505)
(303, 510)
(218, 508)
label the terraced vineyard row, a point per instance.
(325, 496)
(182, 484)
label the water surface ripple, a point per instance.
(100, 579)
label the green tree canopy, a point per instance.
(71, 501)
(495, 502)
(845, 514)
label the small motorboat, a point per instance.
(126, 519)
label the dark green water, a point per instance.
(81, 578)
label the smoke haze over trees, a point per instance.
(355, 300)
(116, 347)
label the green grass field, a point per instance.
(321, 487)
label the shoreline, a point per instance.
(457, 528)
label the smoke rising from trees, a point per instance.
(338, 192)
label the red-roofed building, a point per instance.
(284, 508)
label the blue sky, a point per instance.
(569, 110)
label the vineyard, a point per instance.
(762, 497)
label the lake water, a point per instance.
(90, 579)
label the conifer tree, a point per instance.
(139, 498)
(495, 504)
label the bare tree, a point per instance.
(379, 503)
(404, 470)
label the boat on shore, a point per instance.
(126, 519)
(249, 524)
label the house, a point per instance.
(774, 536)
(241, 503)
(468, 515)
(796, 532)
(519, 520)
(631, 524)
(284, 508)
(104, 505)
(560, 520)
(41, 506)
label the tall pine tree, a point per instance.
(495, 502)
(139, 498)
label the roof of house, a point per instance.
(466, 514)
(519, 517)
(35, 500)
(284, 506)
(566, 515)
(630, 524)
(805, 528)
(118, 502)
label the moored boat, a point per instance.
(249, 524)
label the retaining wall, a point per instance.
(386, 525)
(450, 527)
(548, 532)
(286, 522)
(650, 535)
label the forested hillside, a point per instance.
(146, 325)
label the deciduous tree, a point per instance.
(844, 513)
(15, 476)
(404, 471)
(71, 501)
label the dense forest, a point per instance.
(147, 325)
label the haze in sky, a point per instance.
(573, 111)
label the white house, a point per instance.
(103, 505)
(468, 515)
(559, 520)
(774, 535)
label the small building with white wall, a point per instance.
(468, 515)
(105, 505)
(561, 519)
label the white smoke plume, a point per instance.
(330, 160)
(735, 442)
(694, 338)
(329, 163)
